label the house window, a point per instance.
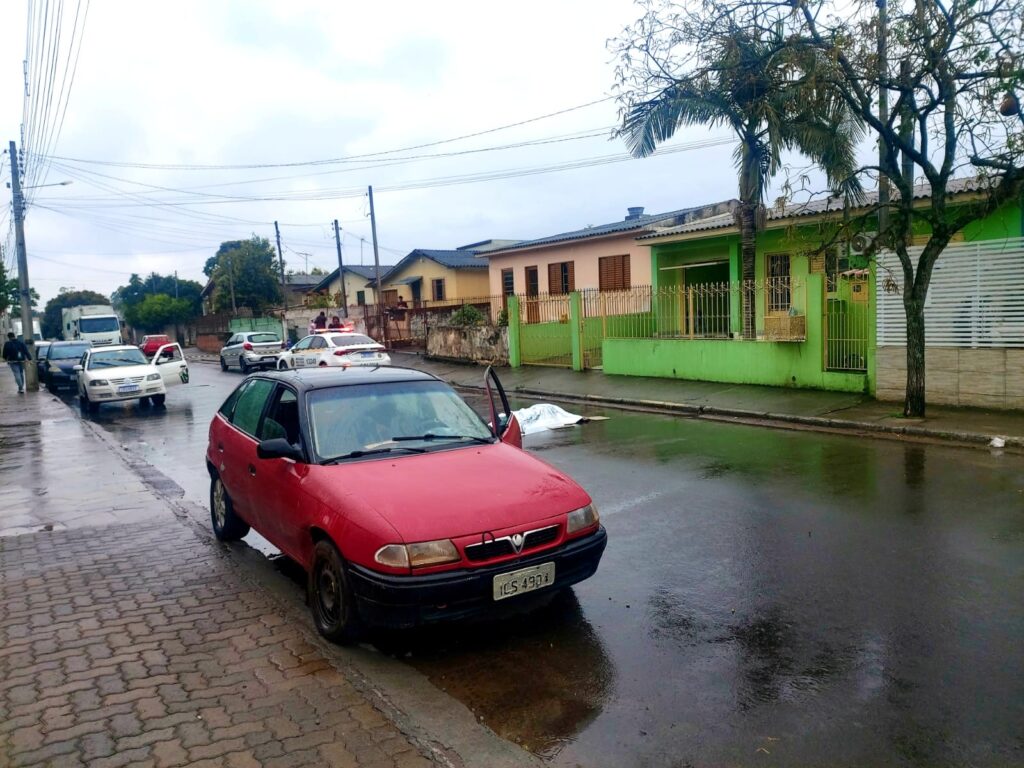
(361, 298)
(508, 282)
(561, 277)
(613, 273)
(836, 262)
(777, 288)
(437, 289)
(390, 298)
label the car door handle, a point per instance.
(252, 470)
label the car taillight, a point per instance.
(247, 346)
(340, 353)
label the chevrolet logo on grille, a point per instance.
(517, 542)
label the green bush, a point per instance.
(466, 316)
(503, 319)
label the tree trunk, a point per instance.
(914, 404)
(748, 253)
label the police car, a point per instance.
(334, 348)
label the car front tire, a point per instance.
(227, 526)
(158, 400)
(282, 365)
(330, 596)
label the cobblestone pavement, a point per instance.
(141, 644)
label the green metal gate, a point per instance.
(847, 309)
(545, 332)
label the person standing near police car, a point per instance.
(16, 355)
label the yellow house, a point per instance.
(358, 285)
(428, 275)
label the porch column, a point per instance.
(736, 292)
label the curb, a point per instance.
(780, 420)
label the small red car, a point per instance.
(403, 505)
(150, 344)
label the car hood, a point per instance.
(459, 492)
(65, 366)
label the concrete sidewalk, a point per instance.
(804, 407)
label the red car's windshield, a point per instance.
(412, 415)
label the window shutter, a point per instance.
(572, 277)
(554, 278)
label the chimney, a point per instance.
(634, 213)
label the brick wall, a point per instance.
(984, 378)
(211, 343)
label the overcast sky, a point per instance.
(238, 82)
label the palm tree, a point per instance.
(774, 97)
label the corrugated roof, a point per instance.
(811, 208)
(612, 228)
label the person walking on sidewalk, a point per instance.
(16, 355)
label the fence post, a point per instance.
(515, 355)
(689, 296)
(576, 330)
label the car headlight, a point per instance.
(579, 519)
(418, 555)
(98, 383)
(153, 377)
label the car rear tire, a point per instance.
(227, 526)
(243, 366)
(158, 400)
(330, 596)
(223, 365)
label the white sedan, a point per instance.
(336, 349)
(112, 374)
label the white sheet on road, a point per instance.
(542, 416)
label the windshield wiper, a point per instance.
(373, 451)
(432, 436)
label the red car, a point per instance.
(150, 344)
(403, 505)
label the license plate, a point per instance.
(128, 388)
(367, 355)
(524, 580)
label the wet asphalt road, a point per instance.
(767, 597)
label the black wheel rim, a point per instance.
(327, 584)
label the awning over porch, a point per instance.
(409, 280)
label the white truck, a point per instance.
(13, 325)
(97, 323)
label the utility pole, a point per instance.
(175, 283)
(341, 270)
(284, 292)
(24, 291)
(231, 283)
(376, 267)
(883, 113)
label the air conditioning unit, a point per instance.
(862, 243)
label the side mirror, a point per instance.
(77, 368)
(278, 448)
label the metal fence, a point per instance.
(545, 335)
(409, 326)
(706, 310)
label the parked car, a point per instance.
(334, 348)
(403, 505)
(113, 374)
(150, 344)
(251, 349)
(57, 369)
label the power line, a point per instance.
(349, 158)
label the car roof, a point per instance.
(72, 343)
(308, 379)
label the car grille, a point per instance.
(130, 380)
(486, 550)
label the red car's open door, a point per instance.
(503, 421)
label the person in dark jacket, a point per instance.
(16, 355)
